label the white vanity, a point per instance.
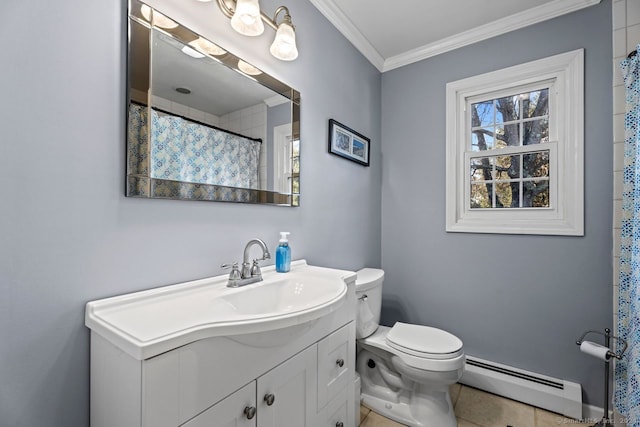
(278, 353)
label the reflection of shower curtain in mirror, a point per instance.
(201, 154)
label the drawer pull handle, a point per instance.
(269, 399)
(340, 362)
(250, 412)
(339, 424)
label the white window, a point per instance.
(515, 149)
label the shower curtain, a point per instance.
(627, 375)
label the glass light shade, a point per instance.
(192, 52)
(246, 18)
(284, 45)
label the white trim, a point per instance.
(339, 20)
(550, 10)
(567, 216)
(275, 100)
(282, 158)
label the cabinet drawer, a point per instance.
(336, 360)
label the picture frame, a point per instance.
(347, 143)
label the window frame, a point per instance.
(564, 75)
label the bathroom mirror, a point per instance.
(203, 124)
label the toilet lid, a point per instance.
(424, 341)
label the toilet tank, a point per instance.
(369, 301)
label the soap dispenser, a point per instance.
(283, 254)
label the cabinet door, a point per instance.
(287, 394)
(336, 363)
(237, 410)
(339, 412)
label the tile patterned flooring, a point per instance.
(476, 408)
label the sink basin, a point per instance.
(145, 324)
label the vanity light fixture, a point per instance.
(246, 18)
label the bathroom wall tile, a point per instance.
(619, 14)
(617, 185)
(617, 74)
(616, 274)
(618, 128)
(617, 214)
(620, 42)
(618, 156)
(633, 37)
(619, 101)
(375, 420)
(633, 12)
(616, 242)
(487, 409)
(546, 419)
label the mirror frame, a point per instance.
(139, 183)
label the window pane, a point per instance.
(507, 109)
(480, 195)
(507, 167)
(535, 104)
(296, 148)
(296, 164)
(482, 114)
(481, 168)
(506, 195)
(482, 139)
(536, 131)
(508, 135)
(536, 165)
(535, 194)
(296, 185)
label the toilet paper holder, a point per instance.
(606, 421)
(607, 342)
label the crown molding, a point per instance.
(339, 20)
(513, 22)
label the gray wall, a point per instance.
(519, 300)
(68, 234)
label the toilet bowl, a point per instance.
(406, 370)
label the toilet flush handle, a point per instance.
(363, 298)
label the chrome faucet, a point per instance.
(250, 273)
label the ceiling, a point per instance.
(391, 34)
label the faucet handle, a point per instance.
(255, 269)
(235, 271)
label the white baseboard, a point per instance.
(553, 394)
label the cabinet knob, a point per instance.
(339, 424)
(340, 362)
(269, 399)
(250, 412)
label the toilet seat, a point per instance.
(424, 341)
(447, 362)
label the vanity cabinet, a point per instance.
(298, 375)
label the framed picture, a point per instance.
(346, 142)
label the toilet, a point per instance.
(406, 370)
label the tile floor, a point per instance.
(476, 408)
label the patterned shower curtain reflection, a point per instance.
(627, 381)
(185, 151)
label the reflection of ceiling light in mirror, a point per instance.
(158, 19)
(206, 46)
(248, 68)
(183, 90)
(192, 52)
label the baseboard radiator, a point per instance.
(552, 394)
